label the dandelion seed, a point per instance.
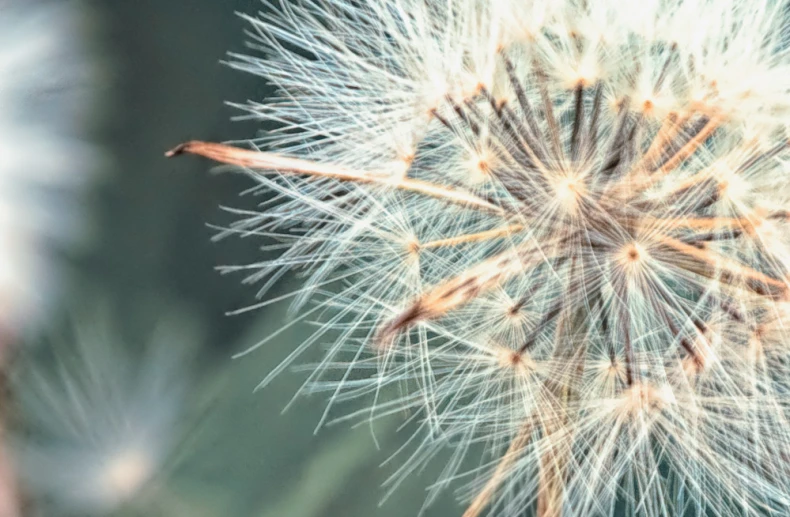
(595, 199)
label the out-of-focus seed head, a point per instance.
(98, 421)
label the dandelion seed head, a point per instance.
(554, 230)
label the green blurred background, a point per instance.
(162, 82)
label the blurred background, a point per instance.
(121, 394)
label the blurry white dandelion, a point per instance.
(99, 419)
(560, 228)
(44, 102)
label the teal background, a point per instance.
(162, 83)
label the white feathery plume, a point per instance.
(559, 229)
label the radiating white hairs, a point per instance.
(558, 228)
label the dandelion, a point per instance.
(559, 230)
(97, 423)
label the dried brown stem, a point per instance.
(689, 182)
(668, 131)
(551, 481)
(691, 146)
(460, 289)
(699, 223)
(713, 259)
(473, 237)
(548, 111)
(684, 152)
(513, 452)
(275, 162)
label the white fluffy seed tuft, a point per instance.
(560, 228)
